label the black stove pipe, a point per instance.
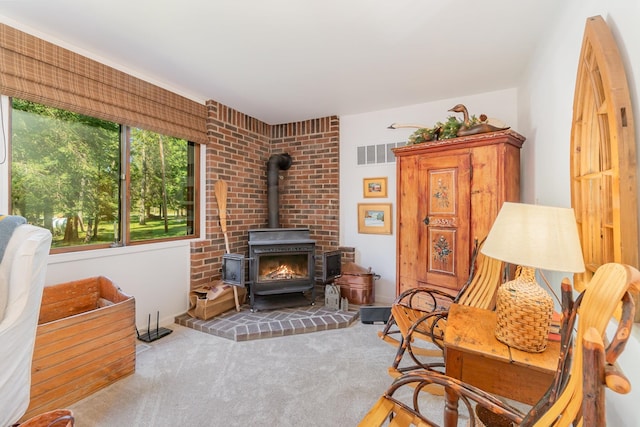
(276, 163)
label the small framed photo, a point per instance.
(374, 218)
(375, 187)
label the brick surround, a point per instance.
(237, 151)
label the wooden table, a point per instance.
(475, 356)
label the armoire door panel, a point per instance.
(444, 204)
(408, 223)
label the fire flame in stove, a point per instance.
(282, 272)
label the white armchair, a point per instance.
(22, 274)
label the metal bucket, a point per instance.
(356, 284)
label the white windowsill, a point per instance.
(117, 251)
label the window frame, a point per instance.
(126, 199)
(124, 211)
(603, 155)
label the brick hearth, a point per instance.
(245, 325)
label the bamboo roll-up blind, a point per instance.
(39, 71)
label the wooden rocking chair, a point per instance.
(576, 396)
(419, 313)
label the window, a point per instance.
(66, 171)
(603, 156)
(161, 186)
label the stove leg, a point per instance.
(252, 299)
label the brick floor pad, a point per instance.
(244, 325)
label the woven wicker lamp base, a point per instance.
(523, 312)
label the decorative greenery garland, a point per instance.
(446, 130)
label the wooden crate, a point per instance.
(85, 341)
(205, 309)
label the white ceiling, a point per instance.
(282, 61)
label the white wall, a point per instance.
(157, 275)
(378, 251)
(545, 113)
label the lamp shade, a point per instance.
(536, 236)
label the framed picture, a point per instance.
(375, 187)
(374, 218)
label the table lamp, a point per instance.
(531, 236)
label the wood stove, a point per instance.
(281, 267)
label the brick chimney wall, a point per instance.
(237, 152)
(310, 190)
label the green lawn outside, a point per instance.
(153, 229)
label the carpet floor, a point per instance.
(190, 378)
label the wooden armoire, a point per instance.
(448, 194)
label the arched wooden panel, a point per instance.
(603, 155)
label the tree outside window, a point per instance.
(65, 176)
